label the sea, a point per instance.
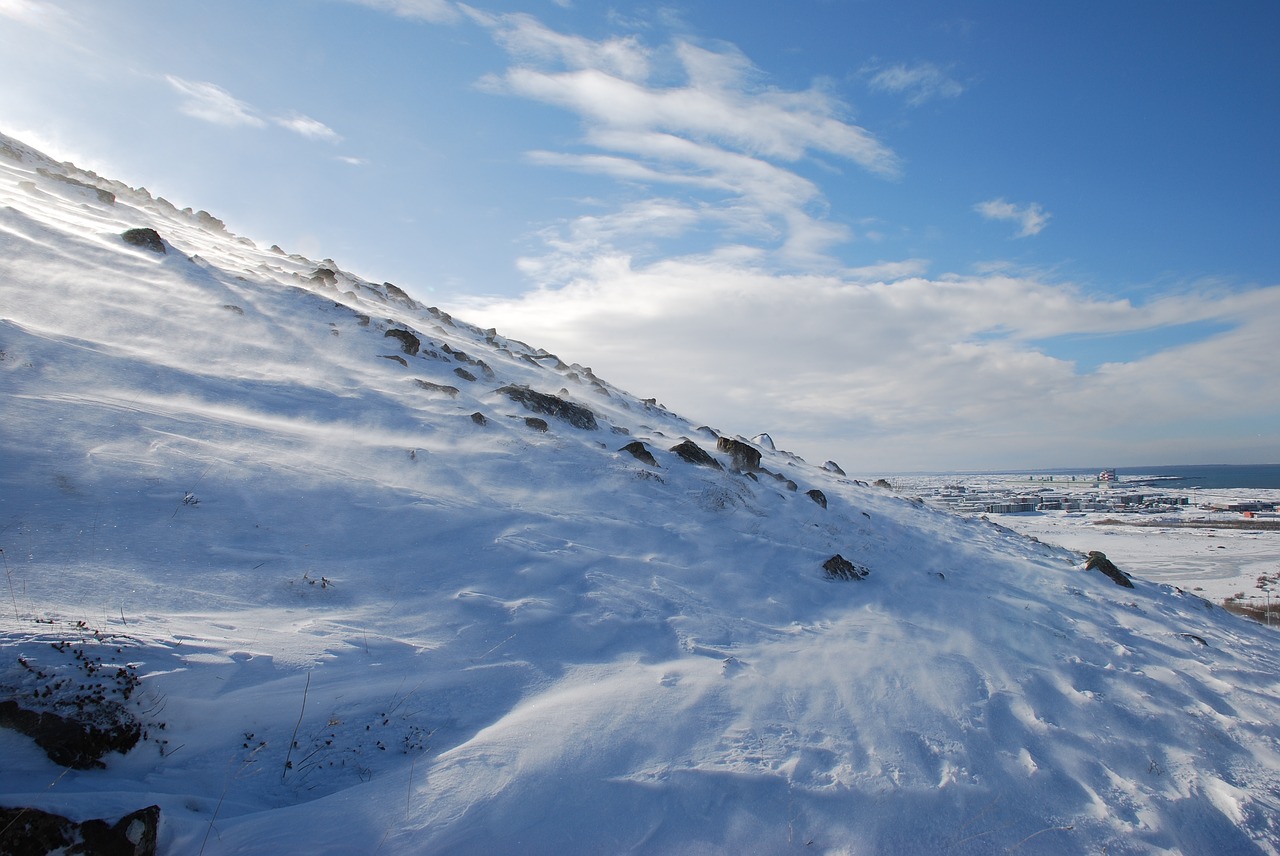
(1256, 476)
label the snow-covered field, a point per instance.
(1212, 553)
(354, 618)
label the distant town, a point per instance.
(1101, 494)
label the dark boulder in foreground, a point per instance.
(1098, 561)
(551, 405)
(695, 454)
(817, 496)
(36, 832)
(840, 568)
(147, 238)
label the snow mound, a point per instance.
(368, 608)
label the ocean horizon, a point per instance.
(1219, 476)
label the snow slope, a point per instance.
(365, 623)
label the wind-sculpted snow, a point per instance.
(373, 622)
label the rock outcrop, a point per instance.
(693, 453)
(743, 457)
(1098, 561)
(640, 452)
(840, 568)
(145, 237)
(551, 405)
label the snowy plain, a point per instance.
(364, 622)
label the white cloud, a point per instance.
(1031, 218)
(211, 103)
(920, 83)
(685, 119)
(431, 11)
(937, 373)
(308, 127)
(351, 160)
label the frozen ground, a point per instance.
(362, 621)
(1215, 561)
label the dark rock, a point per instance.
(208, 222)
(817, 496)
(233, 308)
(743, 457)
(80, 742)
(786, 482)
(695, 454)
(32, 832)
(147, 238)
(464, 374)
(479, 418)
(1194, 638)
(399, 359)
(536, 424)
(551, 405)
(10, 152)
(1098, 561)
(103, 195)
(833, 467)
(884, 483)
(325, 276)
(397, 293)
(409, 343)
(451, 391)
(840, 568)
(640, 453)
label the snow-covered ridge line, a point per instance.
(387, 581)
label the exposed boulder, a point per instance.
(103, 195)
(884, 483)
(409, 343)
(78, 742)
(551, 405)
(840, 568)
(536, 424)
(397, 293)
(640, 453)
(464, 374)
(36, 832)
(479, 418)
(399, 359)
(833, 467)
(145, 237)
(1098, 561)
(743, 457)
(451, 391)
(695, 454)
(817, 496)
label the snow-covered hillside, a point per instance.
(310, 536)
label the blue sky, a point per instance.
(908, 235)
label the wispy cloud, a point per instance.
(681, 117)
(431, 11)
(1031, 218)
(308, 127)
(211, 103)
(919, 83)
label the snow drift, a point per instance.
(385, 582)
